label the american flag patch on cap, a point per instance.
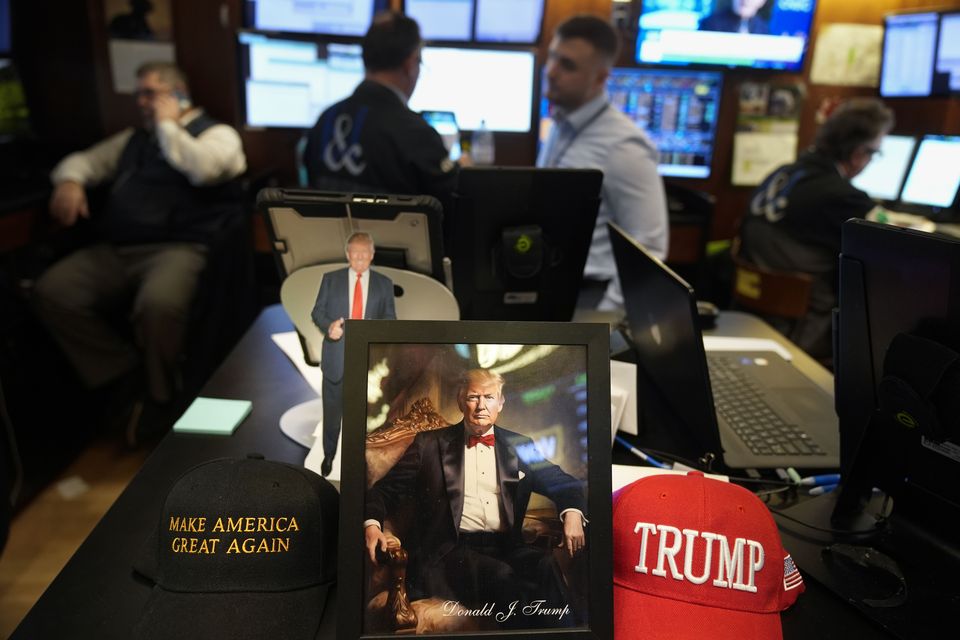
(791, 575)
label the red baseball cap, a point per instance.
(697, 558)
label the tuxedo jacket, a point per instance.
(333, 302)
(430, 473)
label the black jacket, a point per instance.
(372, 142)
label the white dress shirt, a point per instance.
(481, 490)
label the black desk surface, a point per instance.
(97, 595)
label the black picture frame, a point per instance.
(570, 360)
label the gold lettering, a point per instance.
(262, 525)
(234, 547)
(174, 523)
(176, 544)
(293, 524)
(282, 542)
(251, 548)
(234, 524)
(249, 524)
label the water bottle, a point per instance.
(481, 145)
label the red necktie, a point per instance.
(475, 440)
(357, 312)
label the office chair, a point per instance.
(417, 297)
(690, 215)
(784, 294)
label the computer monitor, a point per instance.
(494, 86)
(509, 21)
(678, 110)
(503, 21)
(289, 82)
(445, 123)
(710, 32)
(323, 17)
(6, 30)
(883, 177)
(909, 48)
(519, 241)
(947, 76)
(934, 176)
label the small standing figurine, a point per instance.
(354, 292)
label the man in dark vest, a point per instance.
(171, 190)
(371, 141)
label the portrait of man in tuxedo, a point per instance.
(355, 292)
(471, 484)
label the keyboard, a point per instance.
(738, 400)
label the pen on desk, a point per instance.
(640, 454)
(822, 489)
(821, 480)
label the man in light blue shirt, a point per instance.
(589, 133)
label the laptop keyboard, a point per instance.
(742, 406)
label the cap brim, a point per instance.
(240, 616)
(654, 618)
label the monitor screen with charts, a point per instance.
(678, 110)
(504, 21)
(909, 47)
(883, 177)
(494, 86)
(323, 17)
(935, 174)
(288, 83)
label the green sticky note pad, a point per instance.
(215, 416)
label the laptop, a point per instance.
(752, 409)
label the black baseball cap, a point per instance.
(245, 548)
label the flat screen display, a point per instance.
(769, 34)
(883, 177)
(324, 17)
(935, 174)
(504, 21)
(512, 21)
(494, 86)
(947, 79)
(909, 47)
(288, 83)
(442, 19)
(678, 110)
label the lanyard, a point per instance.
(573, 138)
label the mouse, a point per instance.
(707, 313)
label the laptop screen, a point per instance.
(661, 316)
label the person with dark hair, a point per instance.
(588, 133)
(794, 219)
(171, 192)
(738, 16)
(353, 292)
(470, 484)
(372, 140)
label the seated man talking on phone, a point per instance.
(171, 191)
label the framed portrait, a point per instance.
(475, 493)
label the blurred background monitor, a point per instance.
(678, 109)
(14, 114)
(883, 177)
(322, 17)
(706, 32)
(519, 241)
(909, 47)
(947, 76)
(490, 85)
(289, 82)
(6, 33)
(934, 176)
(503, 21)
